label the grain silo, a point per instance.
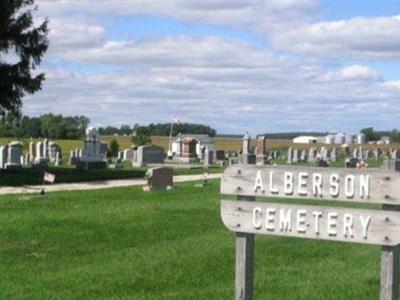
(339, 138)
(349, 139)
(361, 138)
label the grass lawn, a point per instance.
(127, 244)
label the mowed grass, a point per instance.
(128, 244)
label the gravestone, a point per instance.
(324, 154)
(39, 158)
(160, 178)
(45, 148)
(188, 150)
(128, 154)
(351, 162)
(90, 156)
(58, 160)
(289, 155)
(261, 152)
(247, 156)
(120, 155)
(334, 154)
(311, 155)
(295, 158)
(396, 154)
(355, 153)
(208, 158)
(32, 150)
(149, 155)
(53, 149)
(303, 157)
(103, 149)
(346, 150)
(3, 156)
(14, 155)
(220, 155)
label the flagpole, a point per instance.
(170, 139)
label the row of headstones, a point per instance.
(360, 153)
(43, 151)
(312, 155)
(152, 154)
(12, 156)
(331, 154)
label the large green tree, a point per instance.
(22, 46)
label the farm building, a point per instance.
(305, 140)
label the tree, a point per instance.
(141, 136)
(370, 134)
(19, 39)
(114, 148)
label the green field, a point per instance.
(128, 244)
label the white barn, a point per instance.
(305, 140)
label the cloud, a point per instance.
(357, 38)
(288, 25)
(177, 51)
(265, 16)
(70, 34)
(224, 83)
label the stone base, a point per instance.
(91, 165)
(248, 159)
(41, 161)
(12, 167)
(188, 160)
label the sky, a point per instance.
(237, 66)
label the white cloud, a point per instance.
(358, 38)
(288, 25)
(70, 34)
(226, 84)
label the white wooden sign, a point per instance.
(312, 183)
(314, 222)
(247, 217)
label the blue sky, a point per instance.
(236, 66)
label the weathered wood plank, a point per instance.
(244, 268)
(313, 222)
(389, 273)
(368, 186)
(389, 284)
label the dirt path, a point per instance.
(106, 184)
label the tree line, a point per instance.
(46, 126)
(373, 135)
(158, 129)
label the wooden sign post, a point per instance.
(247, 217)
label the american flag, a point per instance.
(48, 177)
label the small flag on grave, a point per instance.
(48, 177)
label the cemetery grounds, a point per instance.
(124, 243)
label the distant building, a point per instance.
(385, 140)
(329, 139)
(361, 138)
(305, 140)
(339, 138)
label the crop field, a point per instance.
(124, 243)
